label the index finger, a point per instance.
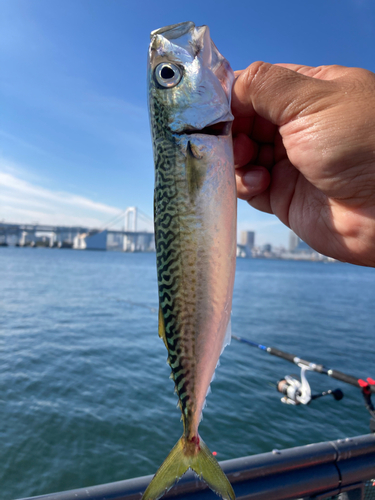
(276, 93)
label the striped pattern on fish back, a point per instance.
(170, 207)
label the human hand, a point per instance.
(304, 148)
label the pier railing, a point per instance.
(342, 470)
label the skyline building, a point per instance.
(247, 239)
(294, 241)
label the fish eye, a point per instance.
(167, 75)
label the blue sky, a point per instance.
(74, 135)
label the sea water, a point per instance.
(85, 392)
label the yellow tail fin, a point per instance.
(177, 463)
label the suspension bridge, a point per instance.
(130, 231)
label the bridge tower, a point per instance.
(130, 224)
(130, 216)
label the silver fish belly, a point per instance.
(195, 229)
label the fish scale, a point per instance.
(195, 230)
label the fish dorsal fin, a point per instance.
(162, 327)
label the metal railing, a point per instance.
(343, 469)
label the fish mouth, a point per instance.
(217, 129)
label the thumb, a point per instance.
(278, 94)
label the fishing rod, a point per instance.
(297, 391)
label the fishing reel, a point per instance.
(298, 392)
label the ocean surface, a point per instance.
(85, 396)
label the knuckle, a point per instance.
(360, 82)
(257, 70)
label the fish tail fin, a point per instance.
(205, 465)
(173, 467)
(178, 462)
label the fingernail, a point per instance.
(253, 178)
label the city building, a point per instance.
(247, 239)
(267, 248)
(293, 241)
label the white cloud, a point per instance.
(24, 188)
(22, 201)
(20, 215)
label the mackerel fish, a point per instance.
(195, 208)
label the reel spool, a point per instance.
(296, 392)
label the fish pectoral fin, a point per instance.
(195, 170)
(178, 462)
(162, 327)
(205, 465)
(170, 471)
